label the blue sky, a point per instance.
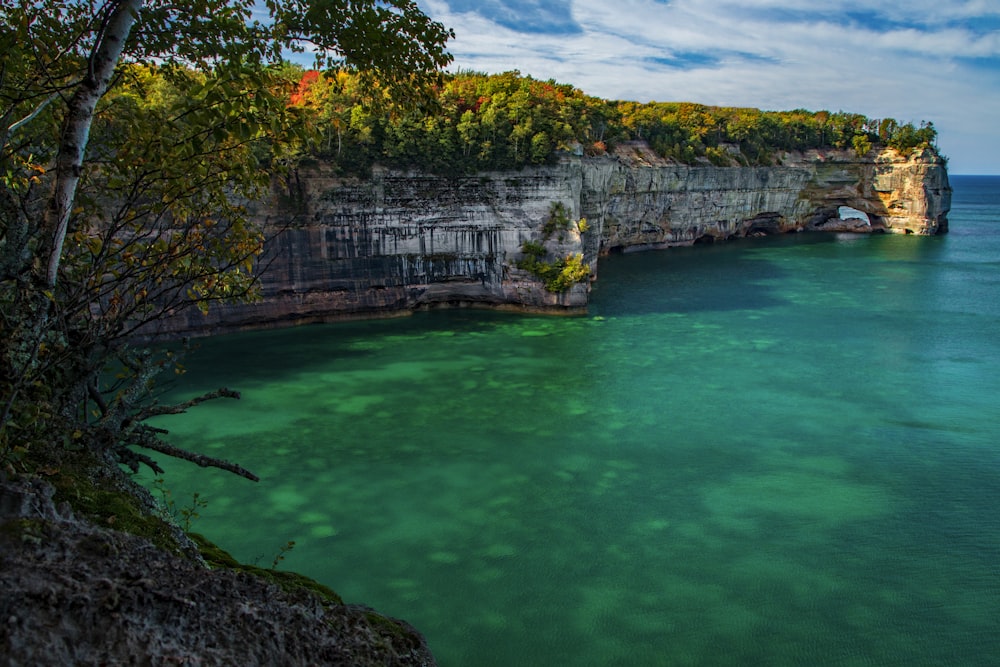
(936, 60)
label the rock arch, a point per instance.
(847, 215)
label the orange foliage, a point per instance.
(308, 79)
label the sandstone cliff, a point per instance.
(640, 202)
(346, 247)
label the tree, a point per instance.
(130, 133)
(862, 144)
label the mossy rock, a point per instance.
(393, 632)
(107, 497)
(121, 510)
(290, 582)
(111, 500)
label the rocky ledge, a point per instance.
(76, 593)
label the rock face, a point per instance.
(344, 247)
(74, 593)
(639, 202)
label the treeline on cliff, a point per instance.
(479, 122)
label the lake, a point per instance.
(781, 451)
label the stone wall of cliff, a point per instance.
(395, 242)
(638, 201)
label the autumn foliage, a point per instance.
(481, 122)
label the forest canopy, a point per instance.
(492, 122)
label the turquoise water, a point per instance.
(776, 452)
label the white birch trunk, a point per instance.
(79, 118)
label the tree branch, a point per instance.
(150, 441)
(31, 116)
(157, 410)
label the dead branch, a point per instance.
(157, 410)
(150, 441)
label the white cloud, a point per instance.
(931, 62)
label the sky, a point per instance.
(917, 60)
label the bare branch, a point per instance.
(157, 410)
(151, 441)
(98, 398)
(31, 116)
(133, 459)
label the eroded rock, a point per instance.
(73, 593)
(396, 242)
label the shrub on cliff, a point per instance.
(562, 273)
(557, 275)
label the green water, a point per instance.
(778, 452)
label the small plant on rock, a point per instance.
(183, 516)
(282, 550)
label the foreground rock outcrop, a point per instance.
(395, 242)
(75, 593)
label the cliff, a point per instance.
(637, 201)
(396, 242)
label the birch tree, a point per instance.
(130, 130)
